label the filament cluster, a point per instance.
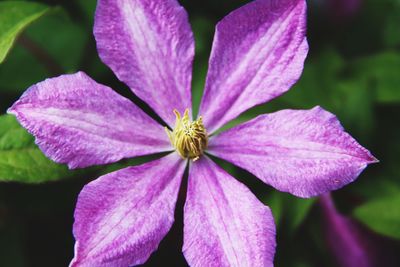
(188, 137)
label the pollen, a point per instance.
(188, 137)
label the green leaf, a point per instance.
(288, 210)
(14, 17)
(381, 215)
(88, 7)
(353, 105)
(20, 70)
(371, 188)
(327, 81)
(317, 83)
(13, 136)
(391, 31)
(21, 160)
(29, 165)
(381, 71)
(63, 41)
(297, 210)
(274, 200)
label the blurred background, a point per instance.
(353, 70)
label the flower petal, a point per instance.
(224, 223)
(80, 122)
(121, 217)
(149, 45)
(258, 54)
(304, 152)
(349, 243)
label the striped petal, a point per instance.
(224, 223)
(121, 217)
(149, 45)
(304, 152)
(257, 54)
(82, 123)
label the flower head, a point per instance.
(189, 138)
(258, 54)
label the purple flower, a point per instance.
(342, 9)
(349, 243)
(257, 55)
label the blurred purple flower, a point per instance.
(341, 9)
(345, 8)
(257, 55)
(349, 243)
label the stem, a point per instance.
(41, 55)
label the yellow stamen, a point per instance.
(188, 137)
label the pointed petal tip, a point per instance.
(11, 110)
(366, 155)
(372, 159)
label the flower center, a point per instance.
(188, 137)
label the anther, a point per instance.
(188, 137)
